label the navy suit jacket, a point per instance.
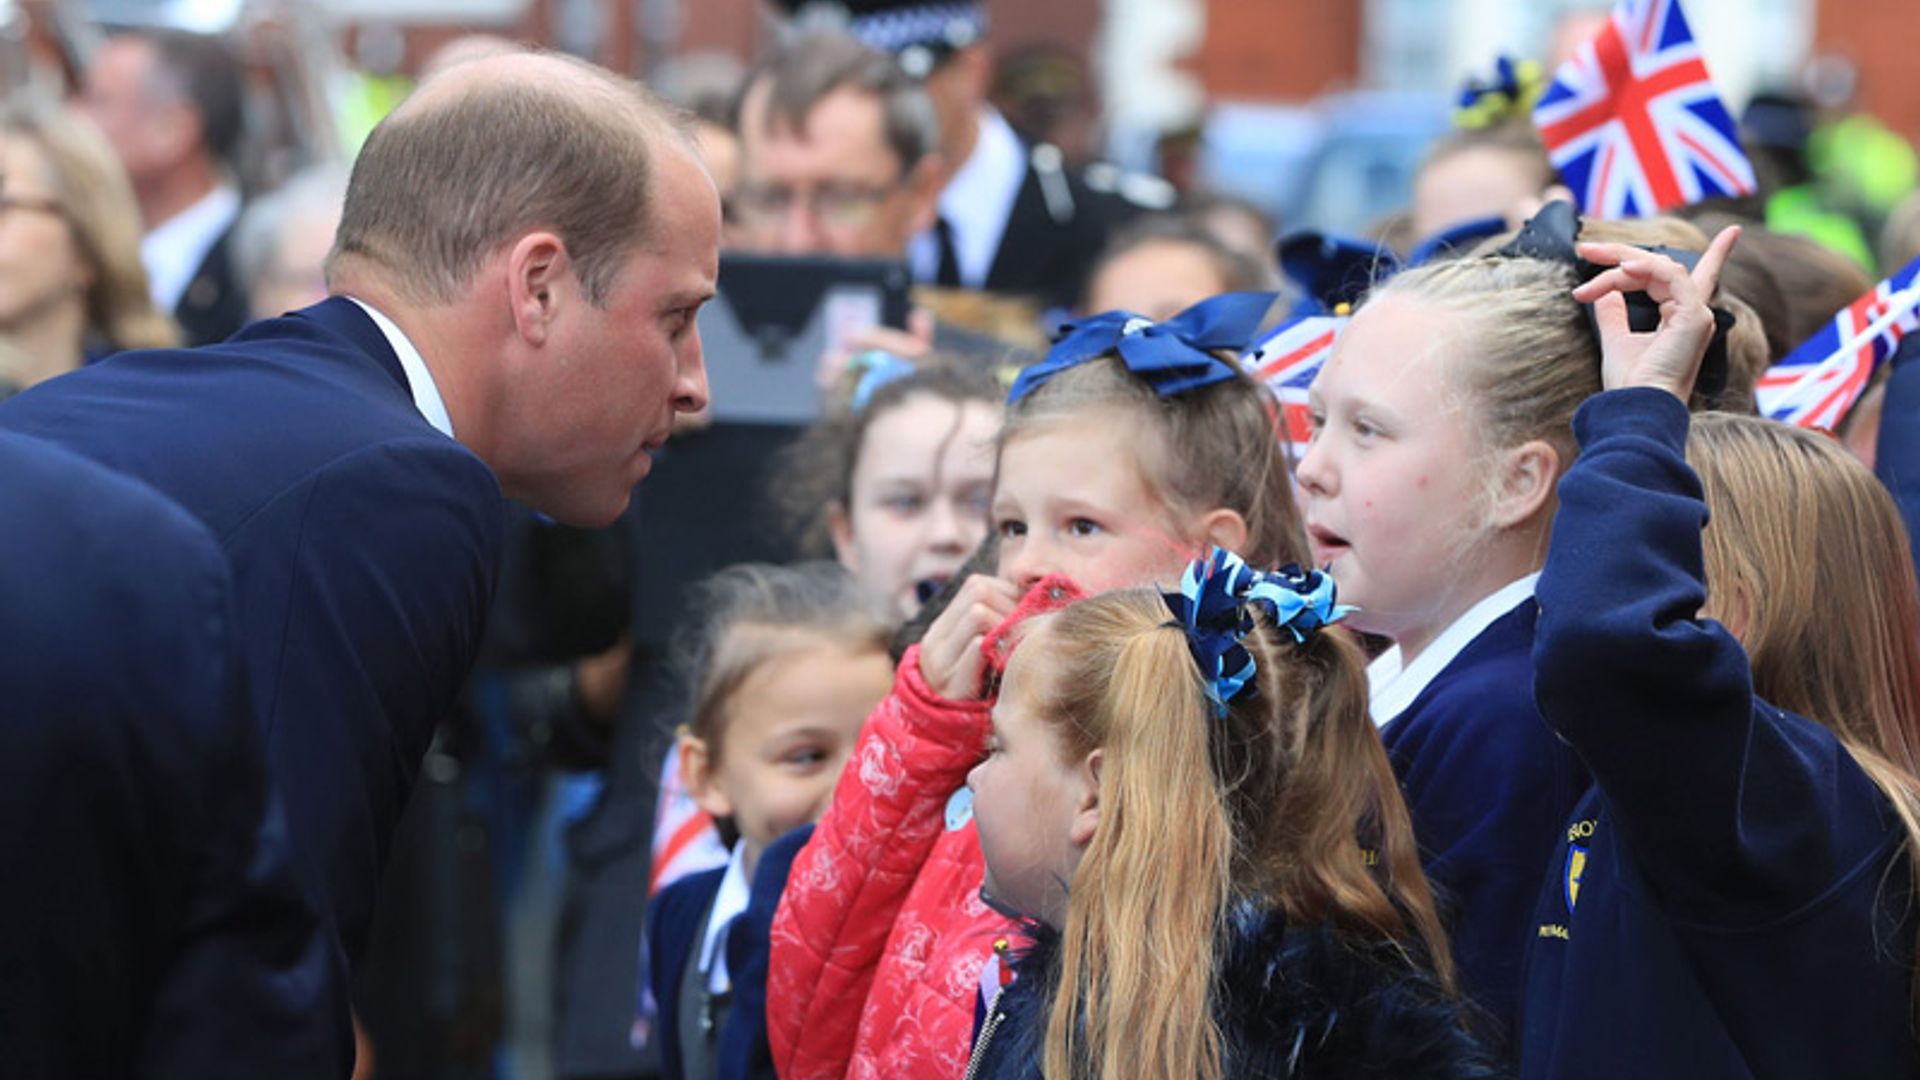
(150, 921)
(364, 547)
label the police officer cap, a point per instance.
(920, 33)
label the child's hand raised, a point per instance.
(1667, 357)
(950, 658)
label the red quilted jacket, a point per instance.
(880, 937)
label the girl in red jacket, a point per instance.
(1128, 452)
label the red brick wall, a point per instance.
(1882, 37)
(1279, 50)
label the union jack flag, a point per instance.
(685, 840)
(1287, 360)
(1633, 122)
(1817, 383)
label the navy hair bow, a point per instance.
(1215, 606)
(1553, 234)
(1173, 356)
(1510, 94)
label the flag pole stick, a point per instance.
(1901, 306)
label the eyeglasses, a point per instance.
(838, 206)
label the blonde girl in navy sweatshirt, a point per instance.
(1734, 897)
(1442, 422)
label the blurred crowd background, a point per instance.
(203, 188)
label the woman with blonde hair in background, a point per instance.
(71, 282)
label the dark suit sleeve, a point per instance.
(369, 586)
(1736, 812)
(151, 923)
(250, 986)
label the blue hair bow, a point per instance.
(1215, 605)
(874, 369)
(1513, 90)
(1172, 356)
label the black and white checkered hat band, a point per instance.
(955, 25)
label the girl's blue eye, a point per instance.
(806, 757)
(904, 503)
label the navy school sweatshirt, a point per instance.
(1488, 786)
(1732, 898)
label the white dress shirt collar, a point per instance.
(426, 395)
(173, 250)
(977, 202)
(1392, 687)
(729, 902)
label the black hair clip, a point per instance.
(1552, 234)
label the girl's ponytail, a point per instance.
(1155, 881)
(1211, 799)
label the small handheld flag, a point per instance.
(1633, 122)
(1287, 360)
(1816, 384)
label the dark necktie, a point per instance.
(949, 274)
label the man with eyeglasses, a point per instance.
(1010, 218)
(839, 153)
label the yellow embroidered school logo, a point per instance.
(1576, 866)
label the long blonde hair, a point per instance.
(1809, 548)
(97, 203)
(1288, 801)
(1214, 446)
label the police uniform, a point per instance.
(1014, 218)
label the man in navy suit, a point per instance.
(150, 921)
(524, 246)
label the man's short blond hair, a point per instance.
(442, 184)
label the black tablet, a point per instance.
(775, 316)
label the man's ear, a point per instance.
(538, 270)
(1528, 474)
(1086, 815)
(975, 64)
(1224, 528)
(840, 531)
(696, 775)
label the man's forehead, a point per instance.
(842, 116)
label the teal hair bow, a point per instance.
(1216, 602)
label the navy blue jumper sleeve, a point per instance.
(1729, 901)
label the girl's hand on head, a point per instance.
(950, 658)
(1668, 356)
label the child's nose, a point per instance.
(1314, 473)
(945, 528)
(1030, 565)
